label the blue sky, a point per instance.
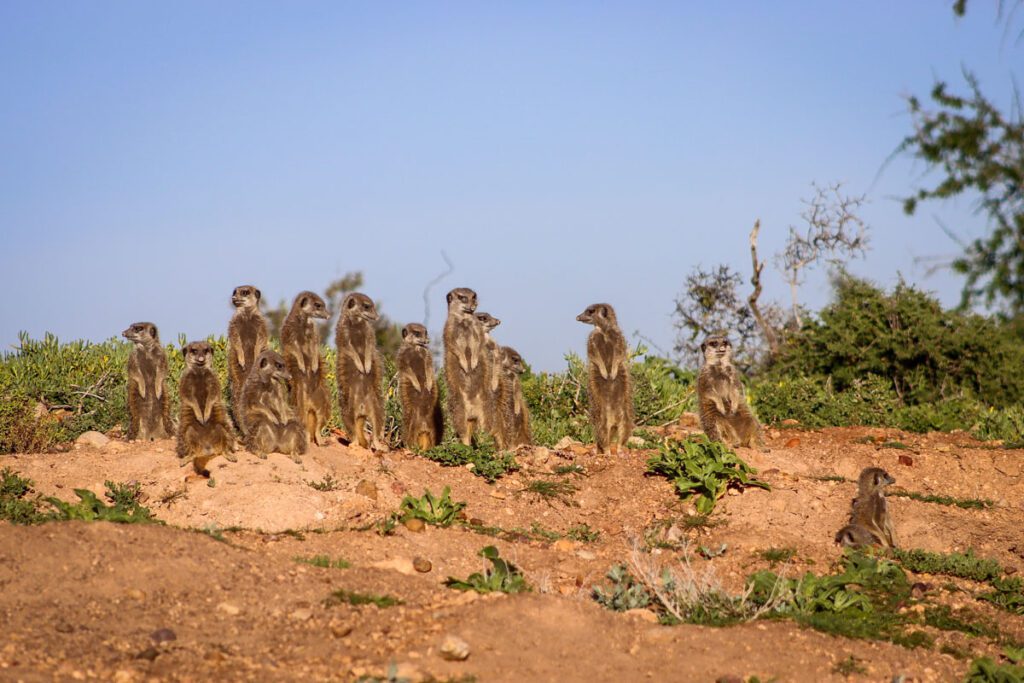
(155, 155)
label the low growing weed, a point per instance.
(964, 566)
(324, 562)
(437, 510)
(15, 505)
(328, 483)
(91, 509)
(703, 469)
(502, 576)
(963, 503)
(486, 460)
(347, 597)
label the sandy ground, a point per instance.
(145, 602)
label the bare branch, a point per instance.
(755, 280)
(430, 285)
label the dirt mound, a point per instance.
(133, 603)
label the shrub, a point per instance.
(487, 461)
(503, 576)
(15, 505)
(22, 430)
(964, 566)
(703, 469)
(437, 510)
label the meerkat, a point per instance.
(487, 323)
(422, 425)
(149, 407)
(360, 370)
(467, 367)
(513, 414)
(609, 386)
(247, 338)
(300, 346)
(724, 413)
(870, 523)
(204, 431)
(265, 411)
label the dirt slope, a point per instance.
(84, 601)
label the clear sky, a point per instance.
(155, 155)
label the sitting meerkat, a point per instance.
(360, 371)
(422, 424)
(514, 416)
(204, 431)
(724, 413)
(300, 346)
(609, 386)
(266, 412)
(870, 523)
(247, 338)
(149, 407)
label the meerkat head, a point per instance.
(462, 301)
(271, 364)
(486, 320)
(511, 361)
(198, 354)
(245, 296)
(141, 334)
(600, 315)
(874, 479)
(311, 305)
(416, 335)
(717, 350)
(359, 306)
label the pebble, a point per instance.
(367, 488)
(414, 525)
(340, 629)
(454, 649)
(564, 545)
(163, 635)
(94, 439)
(399, 564)
(790, 422)
(229, 609)
(793, 443)
(302, 614)
(586, 555)
(642, 613)
(497, 494)
(422, 565)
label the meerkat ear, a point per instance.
(352, 303)
(704, 346)
(405, 332)
(152, 330)
(449, 297)
(264, 362)
(303, 301)
(259, 294)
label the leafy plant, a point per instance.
(849, 666)
(347, 597)
(1007, 594)
(437, 510)
(486, 460)
(91, 509)
(703, 469)
(324, 561)
(776, 555)
(502, 576)
(965, 566)
(552, 490)
(945, 618)
(15, 506)
(624, 593)
(328, 483)
(569, 469)
(583, 533)
(124, 495)
(963, 503)
(985, 670)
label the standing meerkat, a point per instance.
(149, 407)
(487, 323)
(422, 424)
(204, 431)
(247, 338)
(870, 523)
(360, 370)
(724, 413)
(609, 386)
(514, 416)
(265, 410)
(467, 368)
(300, 346)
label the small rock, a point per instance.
(149, 654)
(497, 494)
(790, 422)
(64, 627)
(564, 545)
(944, 448)
(163, 635)
(674, 534)
(93, 439)
(454, 649)
(404, 671)
(417, 526)
(135, 594)
(793, 443)
(301, 614)
(906, 460)
(123, 676)
(636, 441)
(642, 613)
(566, 442)
(398, 488)
(586, 555)
(367, 488)
(774, 433)
(229, 609)
(567, 589)
(340, 629)
(399, 564)
(476, 521)
(422, 565)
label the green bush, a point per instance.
(487, 461)
(15, 505)
(22, 430)
(503, 576)
(437, 510)
(925, 353)
(815, 403)
(703, 469)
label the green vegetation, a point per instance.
(703, 469)
(774, 556)
(985, 670)
(1007, 594)
(328, 483)
(324, 561)
(502, 576)
(964, 503)
(486, 460)
(946, 618)
(347, 597)
(624, 593)
(850, 666)
(582, 533)
(15, 505)
(964, 566)
(437, 510)
(549, 490)
(18, 508)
